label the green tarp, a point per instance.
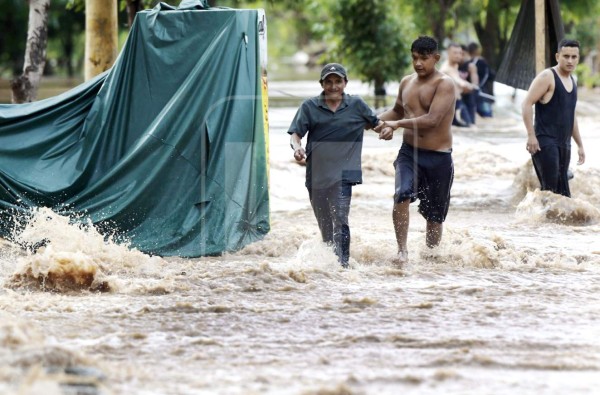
(167, 149)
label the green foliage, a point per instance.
(66, 28)
(13, 20)
(369, 41)
(370, 36)
(582, 23)
(76, 5)
(79, 5)
(586, 78)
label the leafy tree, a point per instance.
(65, 27)
(493, 22)
(582, 22)
(370, 42)
(13, 19)
(433, 17)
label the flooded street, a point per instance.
(507, 304)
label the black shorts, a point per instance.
(425, 175)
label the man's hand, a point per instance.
(533, 145)
(387, 133)
(299, 154)
(385, 124)
(581, 154)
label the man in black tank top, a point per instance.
(554, 94)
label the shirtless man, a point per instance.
(463, 87)
(424, 108)
(554, 94)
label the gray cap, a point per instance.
(333, 68)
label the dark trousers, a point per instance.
(551, 166)
(331, 207)
(461, 114)
(470, 101)
(484, 107)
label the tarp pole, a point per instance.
(540, 35)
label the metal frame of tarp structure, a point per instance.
(533, 42)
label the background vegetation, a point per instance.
(371, 36)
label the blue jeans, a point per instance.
(461, 108)
(331, 207)
(484, 107)
(470, 101)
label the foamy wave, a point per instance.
(72, 256)
(545, 206)
(380, 163)
(487, 250)
(525, 181)
(459, 248)
(478, 162)
(584, 185)
(277, 243)
(29, 365)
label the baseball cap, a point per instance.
(333, 68)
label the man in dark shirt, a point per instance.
(486, 76)
(334, 122)
(554, 94)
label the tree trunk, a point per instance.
(101, 40)
(133, 7)
(438, 18)
(493, 40)
(25, 87)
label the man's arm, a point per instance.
(443, 101)
(296, 143)
(386, 132)
(540, 85)
(396, 112)
(473, 74)
(577, 138)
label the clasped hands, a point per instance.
(385, 130)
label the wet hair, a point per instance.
(472, 47)
(565, 42)
(424, 45)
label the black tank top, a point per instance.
(554, 120)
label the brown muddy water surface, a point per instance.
(507, 304)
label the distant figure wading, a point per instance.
(554, 94)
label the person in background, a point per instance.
(468, 72)
(335, 123)
(553, 92)
(424, 108)
(486, 76)
(450, 67)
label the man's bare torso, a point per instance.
(417, 98)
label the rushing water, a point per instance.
(508, 304)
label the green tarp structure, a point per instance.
(167, 150)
